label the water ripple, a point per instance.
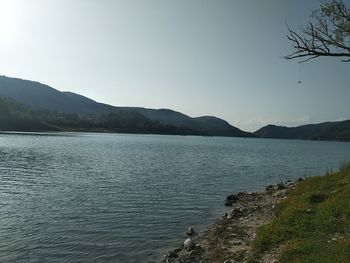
(127, 198)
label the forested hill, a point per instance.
(17, 117)
(39, 97)
(339, 130)
(32, 106)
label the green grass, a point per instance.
(313, 223)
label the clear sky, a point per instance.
(200, 57)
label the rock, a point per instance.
(237, 212)
(289, 183)
(281, 186)
(189, 244)
(193, 253)
(270, 187)
(228, 203)
(300, 179)
(236, 242)
(190, 231)
(242, 195)
(230, 261)
(174, 253)
(231, 199)
(279, 194)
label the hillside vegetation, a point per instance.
(313, 223)
(17, 117)
(338, 130)
(70, 111)
(40, 97)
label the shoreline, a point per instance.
(230, 238)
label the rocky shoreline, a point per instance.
(230, 239)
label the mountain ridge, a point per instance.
(70, 107)
(39, 96)
(331, 130)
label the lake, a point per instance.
(81, 197)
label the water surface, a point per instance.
(72, 197)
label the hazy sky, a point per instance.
(218, 57)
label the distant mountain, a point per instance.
(212, 125)
(217, 126)
(39, 97)
(339, 130)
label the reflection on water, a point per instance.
(68, 197)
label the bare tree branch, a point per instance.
(327, 34)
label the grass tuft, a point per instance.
(313, 223)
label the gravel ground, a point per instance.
(229, 240)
